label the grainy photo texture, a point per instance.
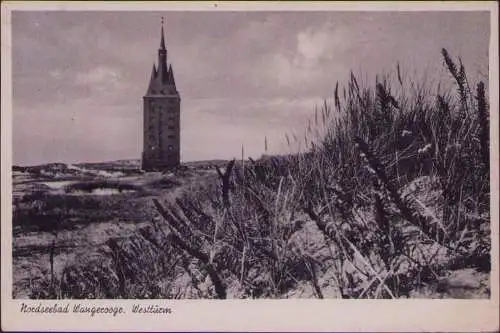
(245, 155)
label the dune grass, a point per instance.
(390, 195)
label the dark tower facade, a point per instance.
(162, 105)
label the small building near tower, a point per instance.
(162, 101)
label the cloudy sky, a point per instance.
(79, 77)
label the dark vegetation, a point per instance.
(48, 212)
(49, 171)
(391, 195)
(99, 185)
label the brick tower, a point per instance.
(161, 116)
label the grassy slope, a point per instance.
(391, 200)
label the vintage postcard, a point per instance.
(250, 166)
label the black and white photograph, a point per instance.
(163, 154)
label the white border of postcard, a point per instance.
(253, 315)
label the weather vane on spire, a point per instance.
(162, 20)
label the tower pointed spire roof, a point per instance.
(162, 57)
(162, 43)
(162, 80)
(153, 72)
(152, 79)
(171, 78)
